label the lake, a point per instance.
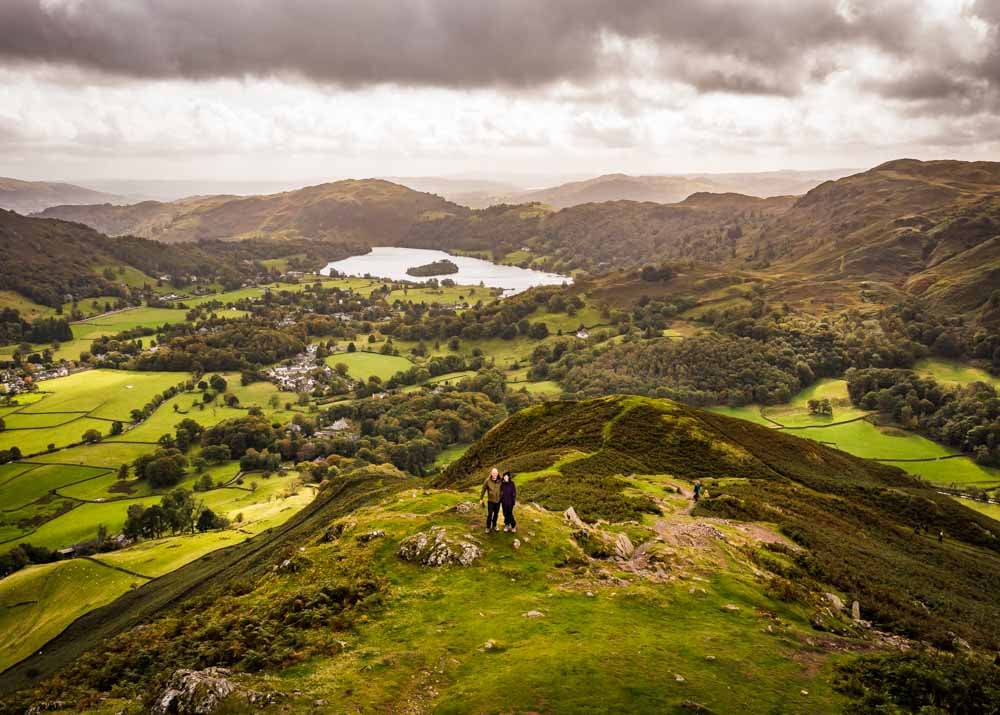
(391, 262)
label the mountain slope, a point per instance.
(46, 259)
(890, 222)
(372, 211)
(384, 595)
(29, 196)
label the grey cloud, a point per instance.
(451, 43)
(923, 85)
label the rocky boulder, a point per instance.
(435, 548)
(194, 692)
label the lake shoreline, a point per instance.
(392, 263)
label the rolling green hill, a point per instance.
(384, 575)
(371, 210)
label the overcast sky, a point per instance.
(322, 89)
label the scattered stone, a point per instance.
(730, 608)
(370, 536)
(466, 507)
(517, 544)
(834, 601)
(292, 565)
(573, 519)
(709, 657)
(623, 547)
(533, 614)
(590, 594)
(679, 678)
(194, 692)
(490, 645)
(856, 611)
(694, 707)
(336, 530)
(804, 692)
(435, 548)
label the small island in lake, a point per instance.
(443, 267)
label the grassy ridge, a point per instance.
(836, 505)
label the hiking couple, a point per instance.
(500, 492)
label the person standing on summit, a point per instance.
(508, 497)
(491, 490)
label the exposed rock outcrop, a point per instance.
(202, 692)
(435, 548)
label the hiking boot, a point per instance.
(506, 529)
(513, 529)
(487, 529)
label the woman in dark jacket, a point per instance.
(508, 497)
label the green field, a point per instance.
(28, 308)
(39, 480)
(954, 372)
(990, 510)
(796, 413)
(85, 331)
(109, 394)
(454, 295)
(71, 405)
(82, 523)
(37, 602)
(864, 439)
(588, 316)
(751, 413)
(106, 454)
(362, 365)
(549, 388)
(449, 455)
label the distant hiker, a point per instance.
(697, 490)
(491, 490)
(508, 497)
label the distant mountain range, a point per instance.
(623, 187)
(929, 228)
(30, 196)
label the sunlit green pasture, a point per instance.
(796, 413)
(362, 365)
(111, 394)
(39, 480)
(36, 441)
(38, 602)
(954, 372)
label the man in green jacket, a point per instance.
(491, 490)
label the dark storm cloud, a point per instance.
(747, 47)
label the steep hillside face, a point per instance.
(890, 223)
(47, 259)
(385, 595)
(29, 196)
(372, 211)
(44, 260)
